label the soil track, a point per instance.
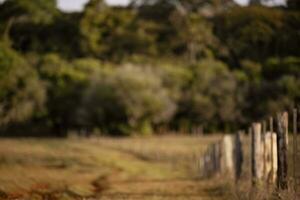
(88, 169)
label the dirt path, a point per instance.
(84, 169)
(157, 189)
(140, 184)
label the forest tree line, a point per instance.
(151, 65)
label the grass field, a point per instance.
(131, 168)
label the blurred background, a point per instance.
(144, 67)
(176, 75)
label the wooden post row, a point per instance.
(264, 155)
(268, 154)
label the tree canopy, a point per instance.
(161, 64)
(22, 93)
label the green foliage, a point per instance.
(177, 32)
(153, 64)
(34, 10)
(122, 101)
(252, 69)
(211, 98)
(62, 37)
(176, 79)
(113, 34)
(293, 4)
(194, 35)
(38, 26)
(13, 12)
(64, 89)
(274, 68)
(290, 86)
(21, 92)
(258, 32)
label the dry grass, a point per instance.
(152, 168)
(180, 152)
(131, 168)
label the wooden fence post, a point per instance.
(212, 155)
(251, 171)
(264, 131)
(282, 144)
(256, 155)
(220, 148)
(206, 165)
(295, 149)
(203, 166)
(228, 160)
(217, 156)
(210, 163)
(232, 156)
(200, 167)
(270, 157)
(238, 156)
(273, 161)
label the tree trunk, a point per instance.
(8, 27)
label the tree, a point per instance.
(185, 6)
(180, 30)
(176, 78)
(65, 84)
(211, 99)
(195, 35)
(114, 33)
(121, 101)
(62, 36)
(275, 68)
(22, 94)
(19, 11)
(293, 4)
(255, 2)
(251, 32)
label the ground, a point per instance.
(154, 168)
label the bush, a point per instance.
(65, 85)
(126, 99)
(211, 99)
(22, 94)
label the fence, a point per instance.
(274, 161)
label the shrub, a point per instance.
(126, 99)
(22, 94)
(211, 96)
